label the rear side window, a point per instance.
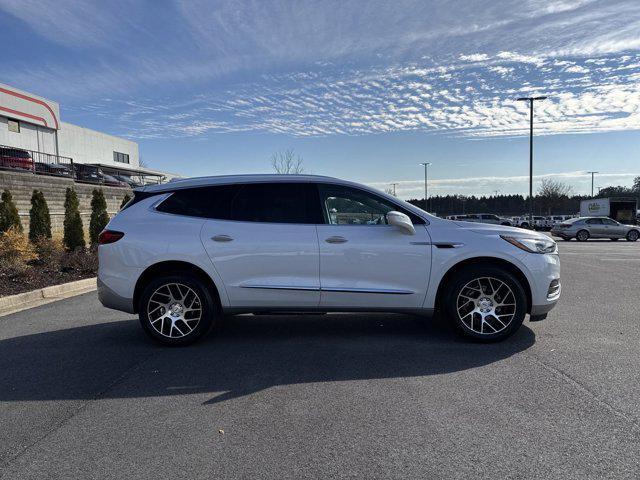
(205, 202)
(594, 221)
(276, 203)
(253, 202)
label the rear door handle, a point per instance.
(336, 239)
(221, 238)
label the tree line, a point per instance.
(552, 198)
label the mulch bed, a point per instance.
(38, 277)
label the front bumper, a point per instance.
(545, 283)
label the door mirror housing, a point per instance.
(402, 221)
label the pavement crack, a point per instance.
(565, 377)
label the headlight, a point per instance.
(532, 245)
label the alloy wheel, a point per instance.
(174, 310)
(486, 305)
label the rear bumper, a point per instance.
(111, 299)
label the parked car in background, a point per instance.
(128, 180)
(112, 181)
(456, 217)
(584, 228)
(488, 218)
(522, 222)
(55, 169)
(87, 173)
(184, 253)
(16, 158)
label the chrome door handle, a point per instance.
(221, 238)
(336, 239)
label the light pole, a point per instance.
(592, 174)
(394, 188)
(426, 164)
(530, 100)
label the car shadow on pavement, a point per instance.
(244, 355)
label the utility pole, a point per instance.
(592, 174)
(425, 164)
(394, 188)
(530, 100)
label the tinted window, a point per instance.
(276, 203)
(342, 205)
(608, 221)
(207, 202)
(594, 221)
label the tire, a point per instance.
(633, 235)
(524, 225)
(582, 235)
(614, 239)
(484, 327)
(177, 327)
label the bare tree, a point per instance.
(287, 162)
(554, 189)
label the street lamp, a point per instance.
(530, 100)
(592, 174)
(425, 164)
(394, 188)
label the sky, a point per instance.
(362, 90)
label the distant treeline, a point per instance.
(505, 205)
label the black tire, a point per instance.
(582, 235)
(632, 235)
(614, 239)
(208, 314)
(467, 276)
(524, 225)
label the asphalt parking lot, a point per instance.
(84, 394)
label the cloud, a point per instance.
(579, 180)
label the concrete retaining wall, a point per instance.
(21, 185)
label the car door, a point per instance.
(595, 227)
(613, 228)
(364, 262)
(263, 244)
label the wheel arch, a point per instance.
(173, 267)
(488, 261)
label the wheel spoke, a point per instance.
(179, 302)
(495, 305)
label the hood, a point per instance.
(489, 229)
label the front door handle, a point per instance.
(221, 238)
(336, 239)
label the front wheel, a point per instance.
(176, 309)
(487, 304)
(633, 235)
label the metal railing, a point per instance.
(40, 163)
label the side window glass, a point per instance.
(276, 203)
(594, 221)
(608, 221)
(342, 205)
(205, 202)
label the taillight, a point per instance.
(564, 225)
(109, 236)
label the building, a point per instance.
(33, 123)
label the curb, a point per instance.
(42, 296)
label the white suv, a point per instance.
(184, 253)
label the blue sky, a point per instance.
(361, 90)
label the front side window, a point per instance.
(342, 205)
(608, 221)
(594, 221)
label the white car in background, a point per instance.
(489, 218)
(184, 253)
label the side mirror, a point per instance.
(402, 221)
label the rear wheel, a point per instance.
(633, 235)
(487, 304)
(176, 309)
(582, 236)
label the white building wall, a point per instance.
(30, 137)
(88, 146)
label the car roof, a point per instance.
(179, 184)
